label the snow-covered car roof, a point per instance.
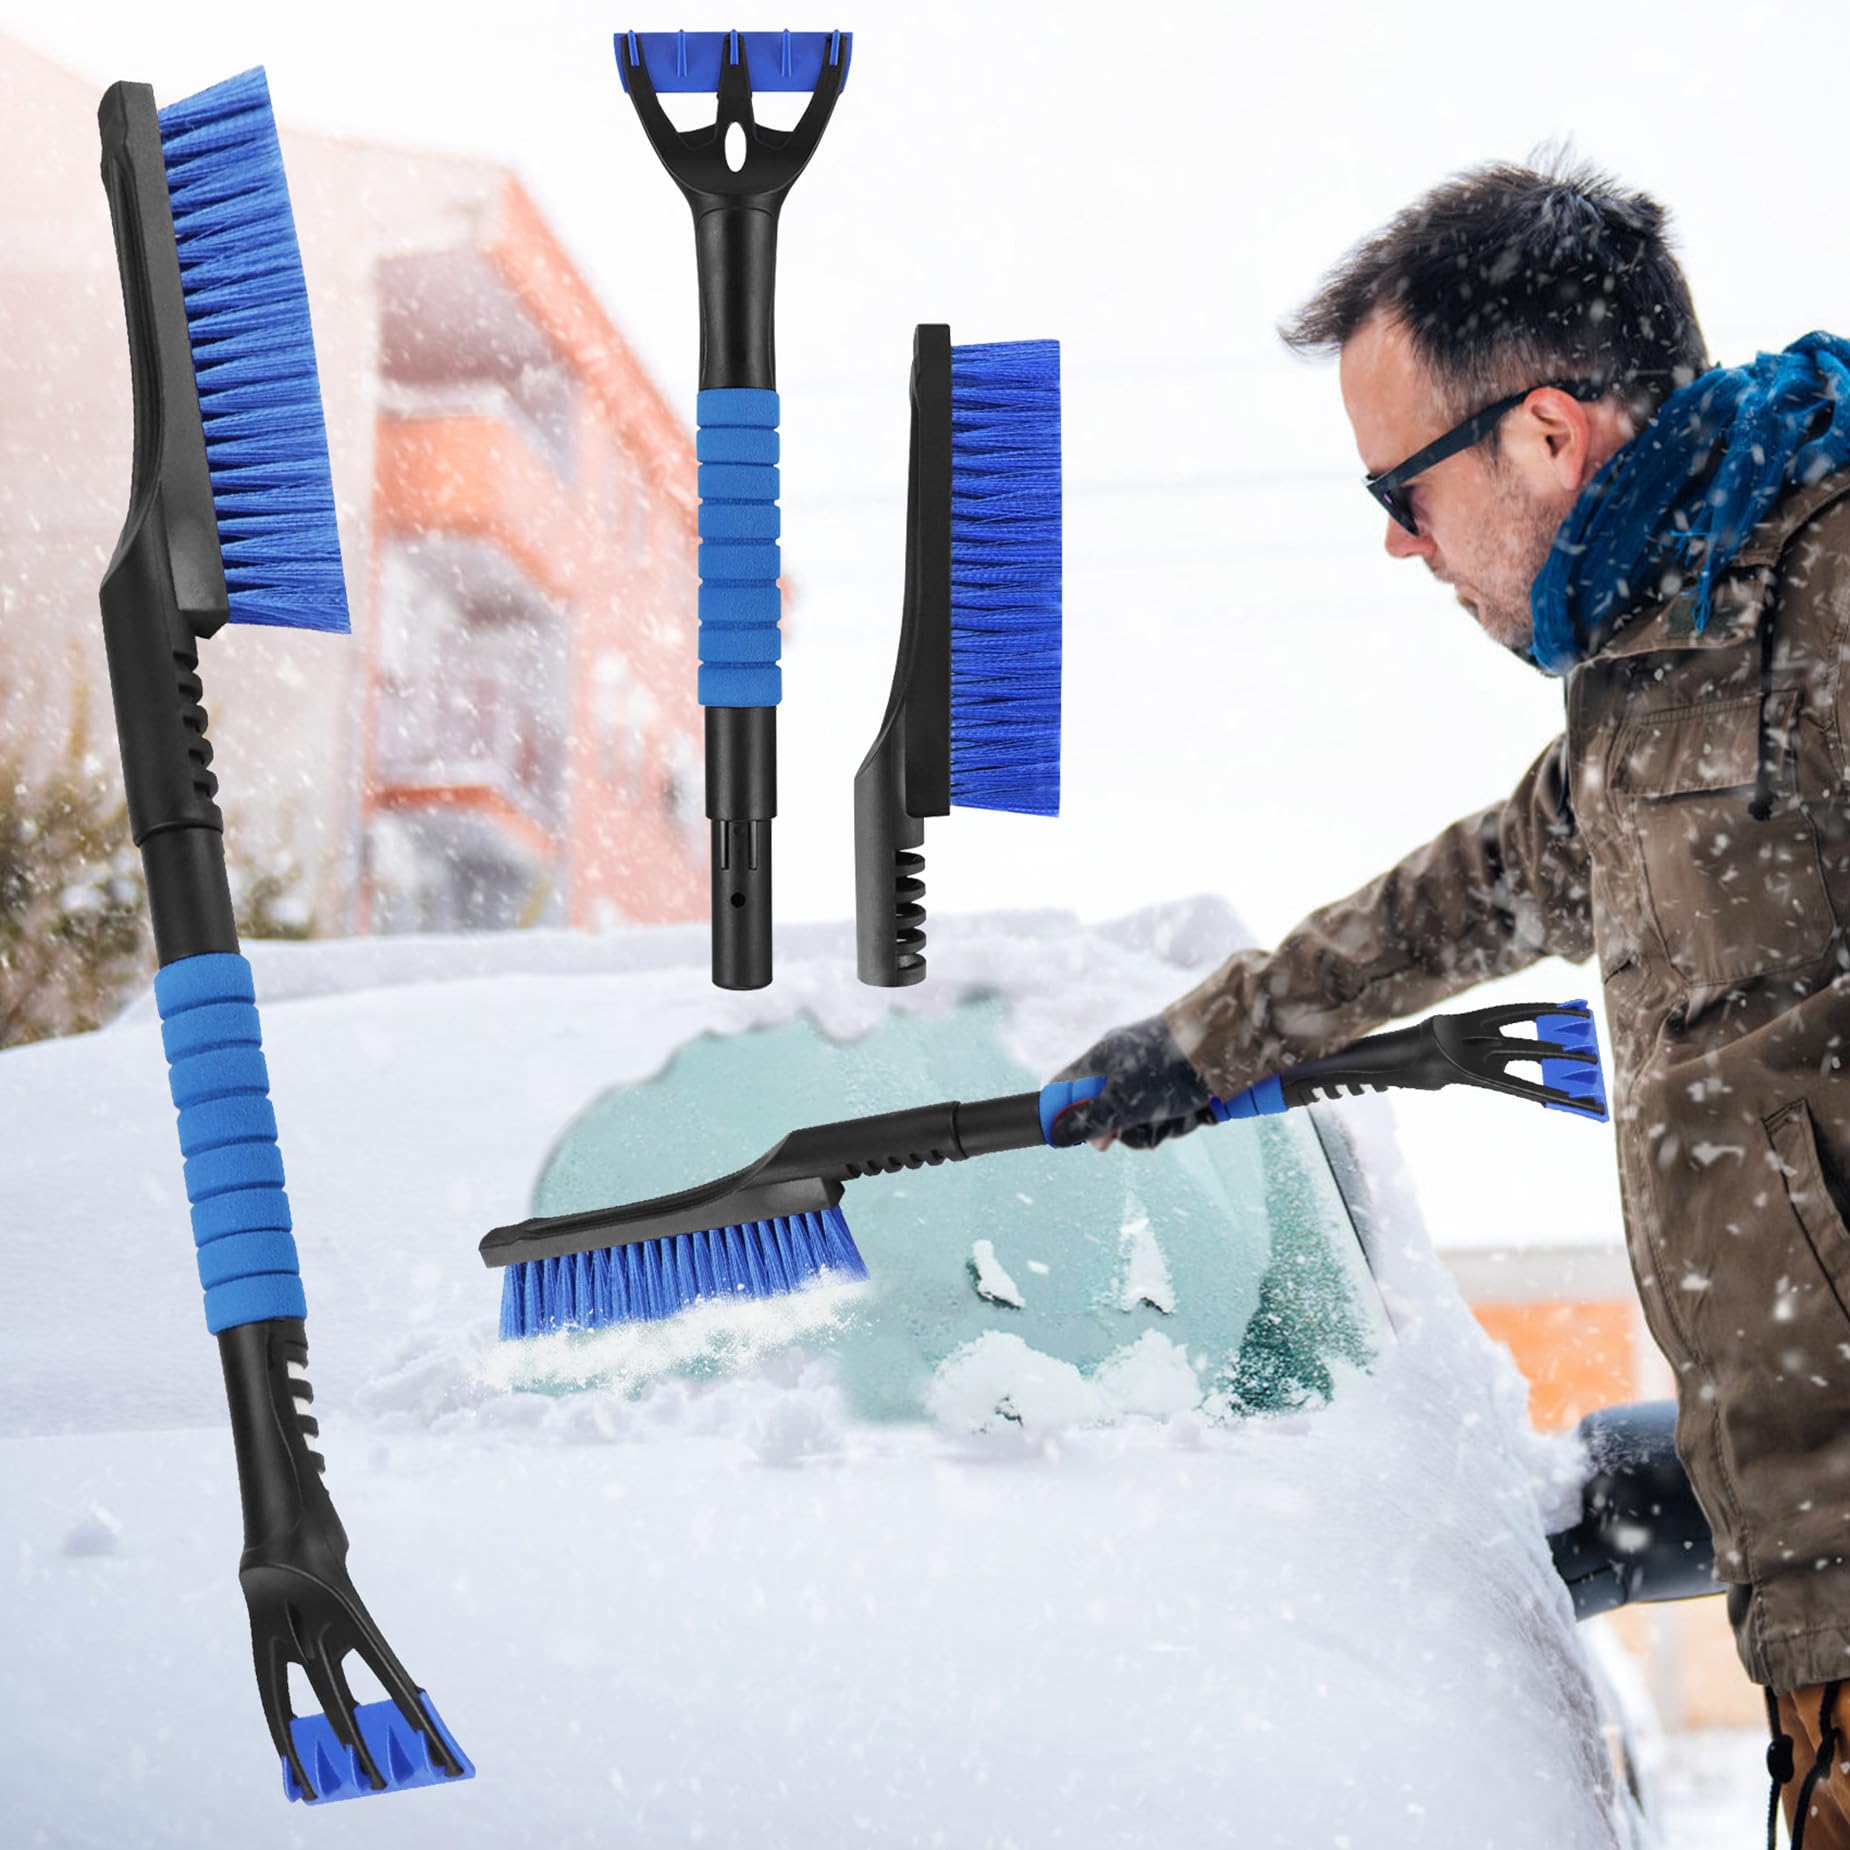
(731, 1611)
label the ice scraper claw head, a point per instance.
(350, 1750)
(1566, 1048)
(303, 1607)
(731, 66)
(1470, 1049)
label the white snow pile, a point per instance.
(999, 1381)
(1145, 1279)
(724, 1611)
(991, 1277)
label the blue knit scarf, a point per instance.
(1677, 502)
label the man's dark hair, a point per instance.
(1506, 276)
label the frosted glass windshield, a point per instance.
(1222, 1271)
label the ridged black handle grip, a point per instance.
(1402, 1059)
(889, 874)
(289, 1518)
(906, 775)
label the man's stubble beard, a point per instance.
(1527, 529)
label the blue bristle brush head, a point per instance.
(647, 1280)
(253, 357)
(1005, 576)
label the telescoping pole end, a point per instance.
(741, 801)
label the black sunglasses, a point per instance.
(1389, 487)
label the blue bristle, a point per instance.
(1578, 1079)
(651, 1279)
(1005, 576)
(253, 357)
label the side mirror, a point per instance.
(1642, 1535)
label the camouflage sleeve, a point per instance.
(1492, 894)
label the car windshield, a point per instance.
(1222, 1272)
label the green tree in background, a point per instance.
(74, 937)
(73, 929)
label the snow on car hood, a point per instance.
(727, 1611)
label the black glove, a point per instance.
(1152, 1092)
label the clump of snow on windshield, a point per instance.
(990, 1276)
(999, 1380)
(1145, 1277)
(1152, 1376)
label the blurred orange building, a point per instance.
(510, 736)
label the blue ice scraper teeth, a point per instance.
(695, 61)
(1576, 1071)
(231, 519)
(776, 1225)
(400, 1752)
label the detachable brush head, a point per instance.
(647, 1280)
(253, 357)
(231, 512)
(974, 714)
(770, 1228)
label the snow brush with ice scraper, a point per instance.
(776, 1225)
(231, 517)
(735, 210)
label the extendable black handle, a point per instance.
(741, 801)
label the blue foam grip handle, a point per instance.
(690, 61)
(1264, 1100)
(234, 1171)
(740, 604)
(1055, 1098)
(398, 1749)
